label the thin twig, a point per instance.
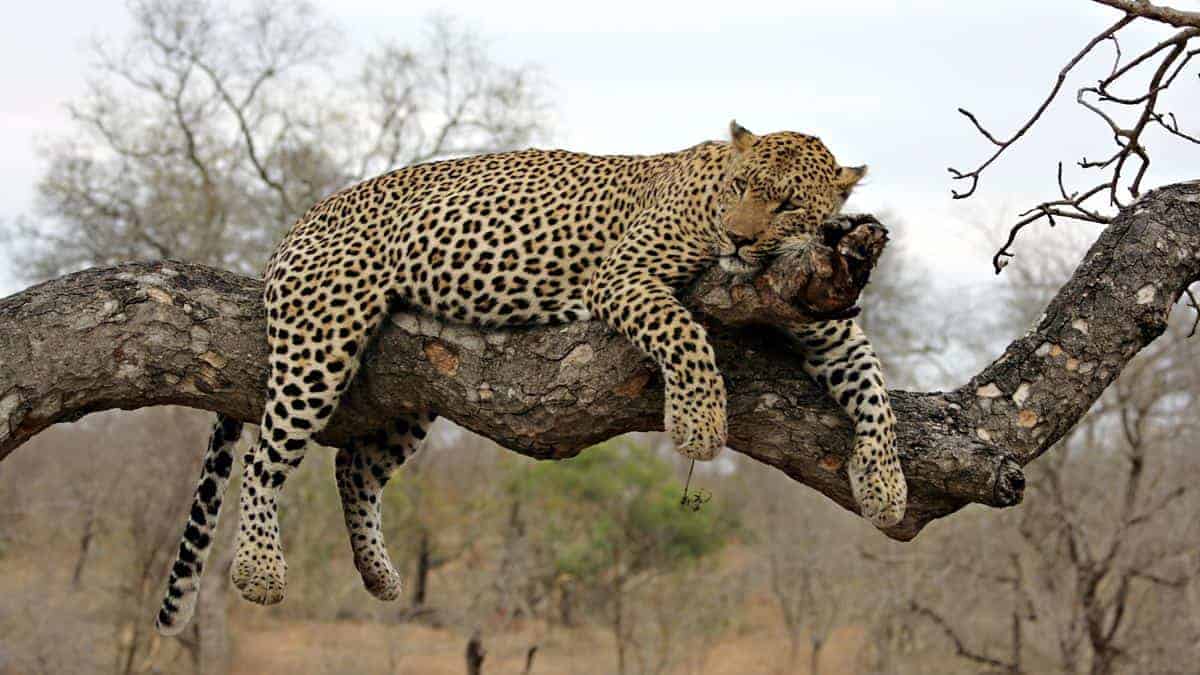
(1173, 57)
(1004, 145)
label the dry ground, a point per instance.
(408, 649)
(39, 613)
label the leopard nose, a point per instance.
(740, 240)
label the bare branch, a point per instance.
(975, 173)
(239, 113)
(959, 647)
(1143, 8)
(1172, 52)
(1158, 507)
(1070, 206)
(1160, 581)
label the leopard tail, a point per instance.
(183, 587)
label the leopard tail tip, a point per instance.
(172, 620)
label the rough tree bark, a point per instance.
(171, 333)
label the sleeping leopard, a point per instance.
(520, 238)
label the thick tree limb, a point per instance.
(1142, 8)
(1116, 303)
(171, 333)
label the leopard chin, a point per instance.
(736, 265)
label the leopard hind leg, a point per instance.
(315, 354)
(363, 469)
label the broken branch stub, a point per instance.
(820, 282)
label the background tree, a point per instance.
(211, 127)
(808, 568)
(1083, 574)
(205, 133)
(611, 519)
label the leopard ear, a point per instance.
(848, 176)
(742, 139)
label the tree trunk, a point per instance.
(566, 603)
(475, 654)
(172, 333)
(85, 547)
(423, 564)
(529, 654)
(618, 624)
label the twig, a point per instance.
(697, 499)
(1004, 145)
(1174, 57)
(1168, 15)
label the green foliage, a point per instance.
(615, 509)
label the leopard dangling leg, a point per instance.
(312, 364)
(363, 469)
(839, 357)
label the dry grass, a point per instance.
(39, 580)
(409, 649)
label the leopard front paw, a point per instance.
(879, 487)
(697, 426)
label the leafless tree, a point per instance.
(475, 653)
(146, 538)
(1091, 573)
(1076, 566)
(203, 134)
(212, 127)
(808, 564)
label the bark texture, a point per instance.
(162, 333)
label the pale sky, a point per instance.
(879, 81)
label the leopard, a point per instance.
(513, 239)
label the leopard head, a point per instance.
(781, 188)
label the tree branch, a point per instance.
(164, 333)
(960, 647)
(1169, 15)
(1116, 303)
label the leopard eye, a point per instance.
(787, 206)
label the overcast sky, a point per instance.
(878, 81)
